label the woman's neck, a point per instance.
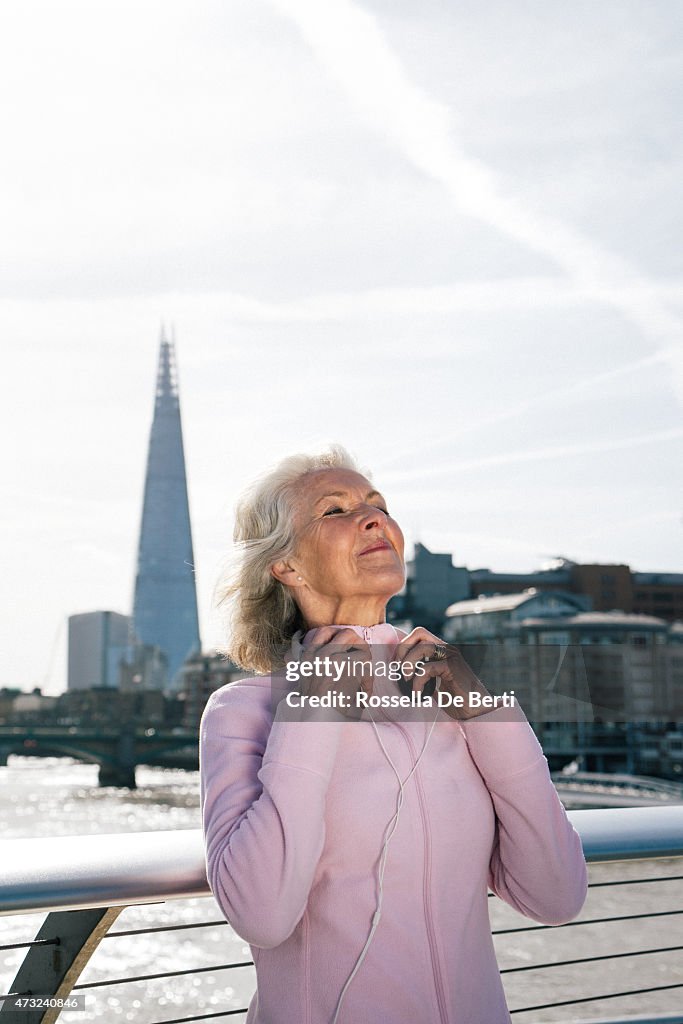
(344, 613)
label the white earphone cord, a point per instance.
(390, 829)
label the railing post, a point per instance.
(53, 969)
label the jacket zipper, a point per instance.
(438, 983)
(427, 885)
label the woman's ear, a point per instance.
(286, 574)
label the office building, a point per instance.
(98, 642)
(165, 601)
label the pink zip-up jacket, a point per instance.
(295, 815)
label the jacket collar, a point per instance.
(382, 633)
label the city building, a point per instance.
(165, 599)
(98, 642)
(201, 675)
(556, 576)
(658, 593)
(8, 695)
(33, 708)
(145, 667)
(434, 583)
(605, 688)
(487, 618)
(608, 586)
(105, 708)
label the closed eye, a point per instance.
(336, 509)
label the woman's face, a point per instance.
(348, 546)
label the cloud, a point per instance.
(348, 43)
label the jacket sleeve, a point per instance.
(262, 788)
(537, 865)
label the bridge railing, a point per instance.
(83, 884)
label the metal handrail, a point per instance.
(84, 882)
(80, 872)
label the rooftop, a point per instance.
(505, 602)
(627, 620)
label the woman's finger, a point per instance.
(341, 647)
(418, 636)
(415, 654)
(423, 651)
(343, 642)
(430, 670)
(321, 636)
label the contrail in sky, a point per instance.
(531, 455)
(551, 397)
(348, 42)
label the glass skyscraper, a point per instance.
(165, 603)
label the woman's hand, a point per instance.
(344, 667)
(445, 664)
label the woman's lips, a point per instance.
(380, 546)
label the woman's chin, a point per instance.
(384, 580)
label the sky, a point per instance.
(445, 235)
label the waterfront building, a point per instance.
(659, 593)
(8, 695)
(608, 586)
(492, 617)
(434, 583)
(603, 687)
(201, 675)
(31, 709)
(165, 599)
(556, 575)
(107, 708)
(145, 667)
(98, 642)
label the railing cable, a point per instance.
(165, 928)
(163, 974)
(636, 881)
(203, 1016)
(594, 999)
(623, 881)
(590, 920)
(33, 942)
(589, 959)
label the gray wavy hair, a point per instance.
(261, 614)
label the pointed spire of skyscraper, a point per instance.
(165, 602)
(167, 377)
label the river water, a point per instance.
(44, 797)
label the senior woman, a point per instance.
(351, 849)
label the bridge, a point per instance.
(117, 751)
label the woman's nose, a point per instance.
(373, 516)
